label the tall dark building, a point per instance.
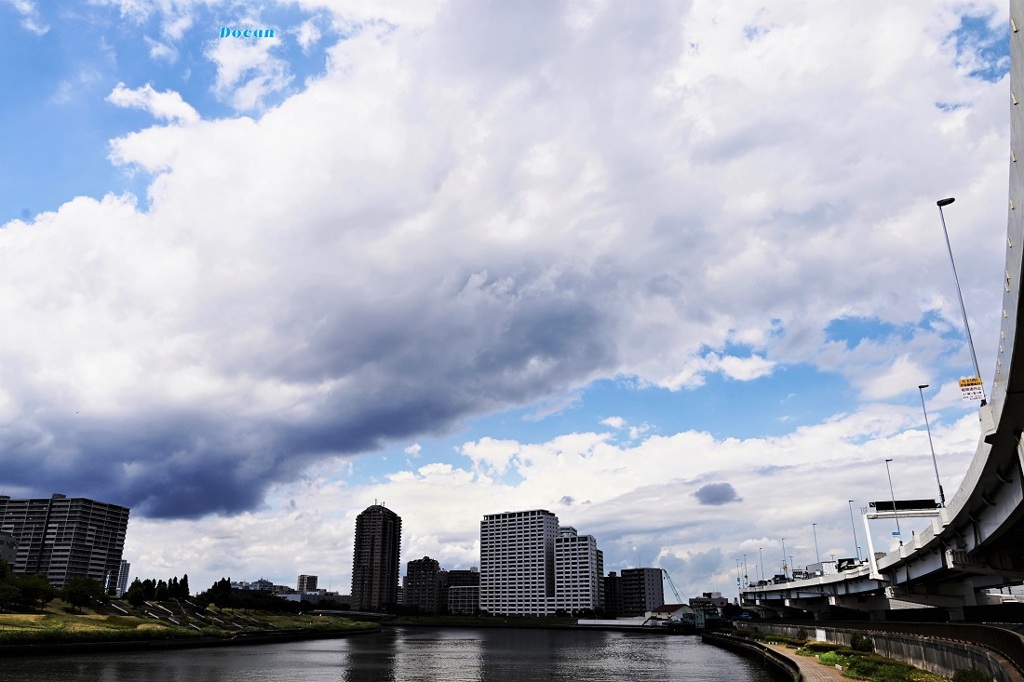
(423, 583)
(65, 538)
(375, 559)
(613, 595)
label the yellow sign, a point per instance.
(970, 388)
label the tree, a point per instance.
(160, 592)
(183, 591)
(9, 594)
(35, 588)
(136, 593)
(81, 591)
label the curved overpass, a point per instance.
(977, 541)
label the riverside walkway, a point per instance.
(811, 670)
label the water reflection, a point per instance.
(415, 655)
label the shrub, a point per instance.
(832, 658)
(972, 675)
(861, 642)
(801, 633)
(822, 647)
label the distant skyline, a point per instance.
(671, 271)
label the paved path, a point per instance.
(809, 666)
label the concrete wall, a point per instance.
(940, 656)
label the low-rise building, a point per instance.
(464, 600)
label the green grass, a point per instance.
(858, 665)
(57, 625)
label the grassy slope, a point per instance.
(57, 623)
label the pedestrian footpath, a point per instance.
(809, 666)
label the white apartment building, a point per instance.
(517, 563)
(579, 567)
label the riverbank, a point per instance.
(172, 643)
(57, 631)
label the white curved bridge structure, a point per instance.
(977, 541)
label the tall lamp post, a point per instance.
(817, 556)
(895, 514)
(935, 463)
(854, 527)
(963, 310)
(785, 568)
(761, 554)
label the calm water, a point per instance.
(415, 655)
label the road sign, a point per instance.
(903, 505)
(895, 533)
(970, 388)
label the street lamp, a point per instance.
(785, 569)
(963, 310)
(746, 577)
(935, 463)
(762, 561)
(895, 515)
(854, 527)
(814, 530)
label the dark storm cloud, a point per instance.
(717, 494)
(409, 375)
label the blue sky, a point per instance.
(660, 268)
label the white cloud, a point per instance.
(247, 72)
(308, 34)
(159, 50)
(166, 105)
(31, 19)
(901, 376)
(70, 89)
(669, 499)
(482, 207)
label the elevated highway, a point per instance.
(977, 541)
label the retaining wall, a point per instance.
(937, 655)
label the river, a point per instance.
(414, 655)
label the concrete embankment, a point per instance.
(780, 666)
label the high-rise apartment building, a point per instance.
(8, 547)
(642, 590)
(423, 585)
(375, 559)
(517, 563)
(63, 537)
(306, 583)
(122, 578)
(579, 570)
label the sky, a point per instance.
(673, 271)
